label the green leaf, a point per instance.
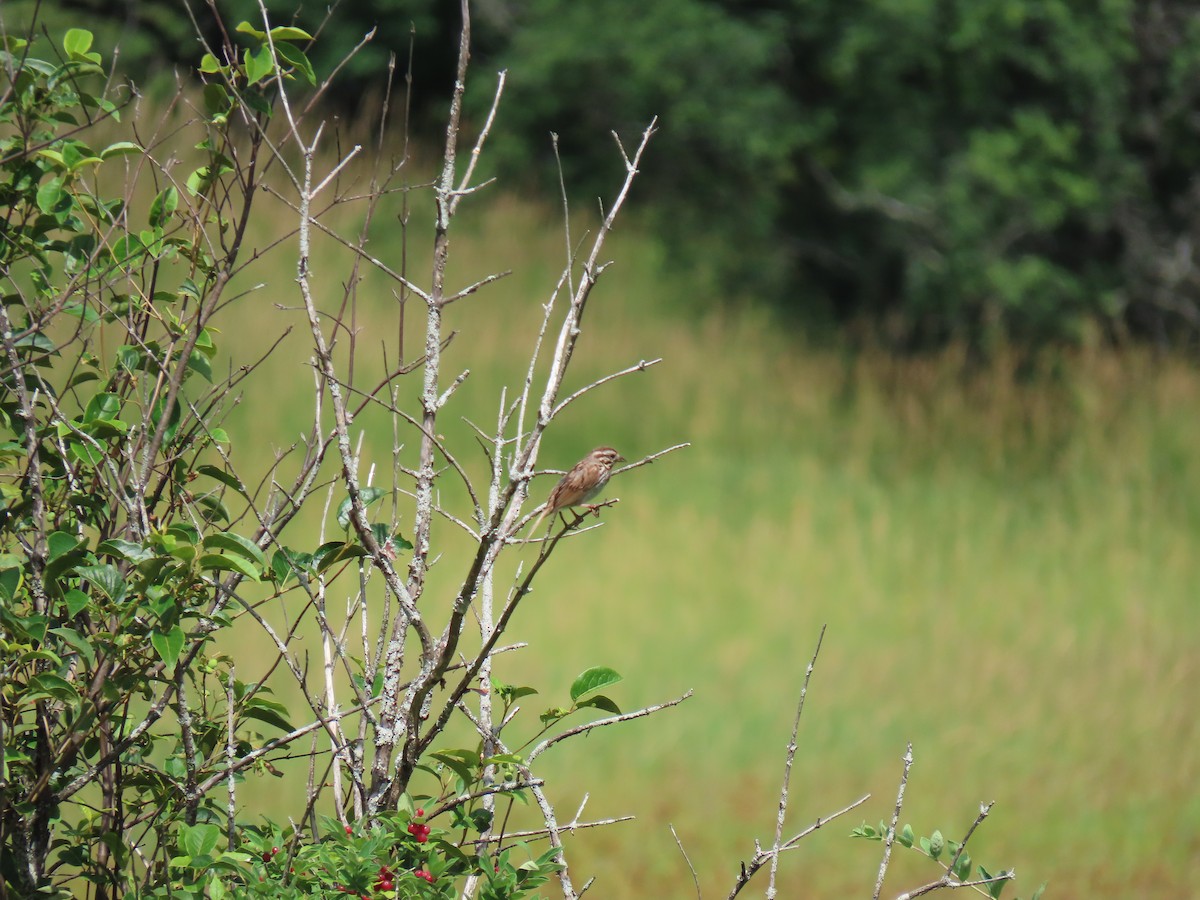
(333, 552)
(77, 41)
(368, 495)
(60, 543)
(172, 422)
(102, 406)
(209, 64)
(163, 206)
(52, 199)
(77, 642)
(235, 543)
(212, 509)
(599, 702)
(217, 100)
(184, 532)
(199, 840)
(127, 248)
(269, 712)
(289, 33)
(509, 692)
(168, 645)
(53, 686)
(106, 579)
(10, 583)
(76, 601)
(461, 762)
(129, 358)
(287, 563)
(996, 887)
(76, 155)
(247, 28)
(200, 364)
(937, 844)
(259, 64)
(129, 550)
(594, 679)
(963, 868)
(213, 562)
(294, 57)
(503, 759)
(905, 837)
(1037, 895)
(226, 478)
(120, 148)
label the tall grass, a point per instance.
(1008, 570)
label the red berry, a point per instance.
(420, 812)
(349, 830)
(274, 850)
(385, 886)
(266, 857)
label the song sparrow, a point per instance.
(585, 480)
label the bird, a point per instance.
(585, 480)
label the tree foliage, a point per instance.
(995, 168)
(1017, 169)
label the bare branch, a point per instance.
(891, 834)
(600, 723)
(642, 366)
(686, 859)
(787, 768)
(761, 856)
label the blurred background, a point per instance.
(923, 277)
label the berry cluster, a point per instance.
(419, 830)
(384, 882)
(428, 876)
(270, 854)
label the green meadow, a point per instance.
(1006, 567)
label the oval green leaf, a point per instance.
(217, 562)
(592, 680)
(235, 543)
(368, 495)
(167, 646)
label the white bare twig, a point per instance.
(891, 833)
(787, 769)
(600, 723)
(686, 859)
(761, 856)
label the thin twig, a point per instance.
(600, 723)
(761, 856)
(787, 769)
(686, 859)
(891, 835)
